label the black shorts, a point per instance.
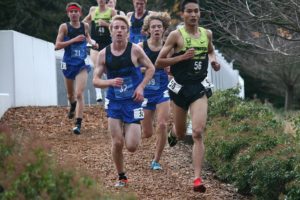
(188, 94)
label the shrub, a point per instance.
(30, 173)
(246, 146)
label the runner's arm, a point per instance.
(62, 32)
(88, 36)
(211, 52)
(88, 18)
(163, 60)
(143, 69)
(100, 68)
(144, 61)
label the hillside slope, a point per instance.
(90, 152)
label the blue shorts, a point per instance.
(150, 101)
(128, 111)
(71, 71)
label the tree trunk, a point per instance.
(289, 95)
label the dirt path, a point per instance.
(90, 152)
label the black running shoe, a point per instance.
(76, 130)
(172, 140)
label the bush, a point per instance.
(28, 172)
(246, 146)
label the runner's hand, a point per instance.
(138, 94)
(188, 54)
(79, 38)
(215, 65)
(117, 82)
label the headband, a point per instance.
(73, 7)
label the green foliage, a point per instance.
(296, 124)
(269, 176)
(221, 101)
(246, 146)
(30, 173)
(6, 148)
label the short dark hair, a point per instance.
(184, 2)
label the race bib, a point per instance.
(207, 84)
(138, 113)
(174, 86)
(166, 94)
(144, 104)
(63, 66)
(87, 61)
(126, 90)
(106, 102)
(154, 83)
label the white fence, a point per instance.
(30, 75)
(27, 71)
(226, 77)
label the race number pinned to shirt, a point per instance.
(63, 66)
(174, 86)
(207, 84)
(144, 104)
(87, 61)
(166, 94)
(126, 90)
(138, 113)
(106, 102)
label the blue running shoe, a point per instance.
(155, 166)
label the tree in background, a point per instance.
(263, 36)
(41, 18)
(38, 18)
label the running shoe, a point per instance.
(76, 129)
(172, 140)
(122, 182)
(99, 100)
(155, 166)
(199, 186)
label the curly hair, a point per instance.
(164, 17)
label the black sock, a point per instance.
(73, 106)
(122, 176)
(78, 122)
